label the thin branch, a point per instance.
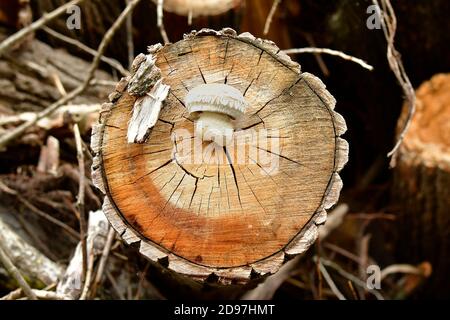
(272, 11)
(159, 21)
(336, 53)
(400, 268)
(334, 220)
(18, 131)
(267, 289)
(323, 67)
(41, 294)
(90, 270)
(58, 84)
(350, 277)
(15, 273)
(330, 281)
(389, 25)
(190, 17)
(110, 61)
(46, 18)
(80, 200)
(71, 231)
(115, 286)
(343, 252)
(130, 44)
(103, 260)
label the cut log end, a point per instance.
(231, 211)
(422, 177)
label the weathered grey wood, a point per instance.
(28, 78)
(71, 284)
(146, 112)
(39, 270)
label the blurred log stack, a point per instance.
(422, 180)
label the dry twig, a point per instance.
(40, 294)
(46, 18)
(89, 273)
(272, 11)
(110, 61)
(330, 281)
(159, 21)
(400, 268)
(15, 273)
(103, 260)
(389, 25)
(7, 137)
(267, 289)
(39, 212)
(336, 53)
(130, 44)
(350, 277)
(80, 200)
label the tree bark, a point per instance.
(422, 180)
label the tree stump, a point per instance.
(422, 180)
(220, 213)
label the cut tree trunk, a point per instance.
(422, 180)
(30, 78)
(213, 213)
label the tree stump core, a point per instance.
(229, 213)
(422, 179)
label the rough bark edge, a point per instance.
(308, 235)
(266, 266)
(266, 45)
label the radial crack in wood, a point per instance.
(227, 213)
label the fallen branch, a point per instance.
(272, 11)
(103, 260)
(389, 24)
(6, 189)
(78, 112)
(159, 21)
(46, 18)
(80, 199)
(267, 289)
(15, 273)
(330, 281)
(72, 284)
(130, 43)
(401, 268)
(336, 53)
(110, 61)
(36, 267)
(350, 277)
(40, 294)
(13, 134)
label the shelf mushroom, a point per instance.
(213, 107)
